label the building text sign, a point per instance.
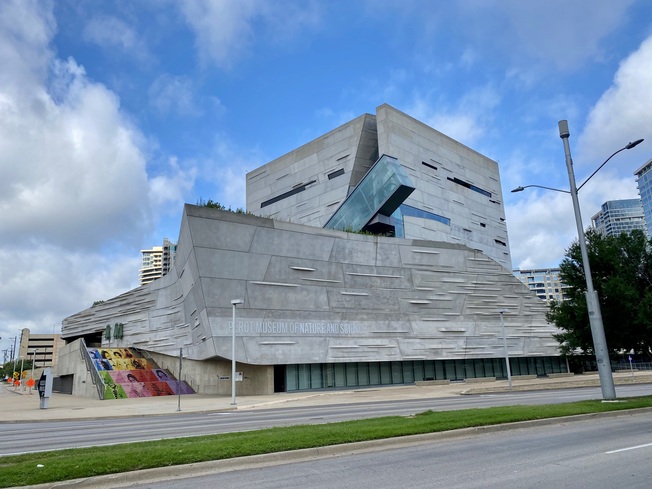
(297, 328)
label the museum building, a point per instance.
(378, 254)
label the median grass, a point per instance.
(43, 467)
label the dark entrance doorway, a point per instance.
(279, 378)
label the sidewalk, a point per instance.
(17, 406)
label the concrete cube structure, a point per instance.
(457, 195)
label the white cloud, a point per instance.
(624, 112)
(226, 170)
(465, 121)
(556, 32)
(25, 32)
(337, 118)
(75, 198)
(169, 189)
(552, 34)
(541, 223)
(41, 285)
(74, 166)
(225, 30)
(114, 34)
(173, 94)
(541, 226)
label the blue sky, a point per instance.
(114, 114)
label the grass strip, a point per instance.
(20, 470)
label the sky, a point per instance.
(115, 114)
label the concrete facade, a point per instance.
(451, 181)
(419, 301)
(315, 296)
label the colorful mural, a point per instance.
(127, 375)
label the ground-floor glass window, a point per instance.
(354, 374)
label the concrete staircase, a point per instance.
(127, 374)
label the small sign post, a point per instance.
(179, 379)
(631, 368)
(30, 383)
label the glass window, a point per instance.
(408, 372)
(440, 372)
(292, 378)
(419, 373)
(329, 375)
(397, 373)
(374, 373)
(304, 376)
(340, 375)
(385, 373)
(382, 190)
(316, 376)
(363, 374)
(407, 210)
(351, 374)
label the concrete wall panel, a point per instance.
(231, 264)
(300, 245)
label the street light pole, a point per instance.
(234, 303)
(13, 357)
(502, 328)
(20, 375)
(592, 302)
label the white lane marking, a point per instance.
(630, 448)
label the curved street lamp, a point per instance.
(520, 189)
(592, 302)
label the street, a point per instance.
(596, 453)
(23, 437)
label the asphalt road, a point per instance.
(26, 437)
(597, 453)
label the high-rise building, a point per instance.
(619, 216)
(644, 182)
(544, 282)
(157, 261)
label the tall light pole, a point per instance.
(234, 303)
(592, 302)
(13, 357)
(20, 375)
(502, 328)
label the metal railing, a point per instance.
(185, 378)
(90, 366)
(623, 366)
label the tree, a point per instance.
(216, 205)
(621, 268)
(211, 204)
(8, 368)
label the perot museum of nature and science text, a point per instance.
(376, 254)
